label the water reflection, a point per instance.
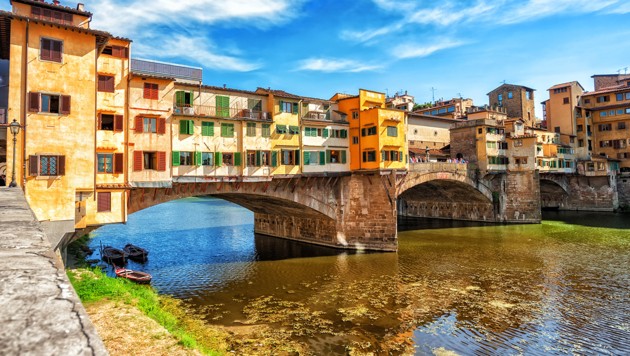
(554, 288)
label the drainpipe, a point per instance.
(25, 109)
(95, 119)
(300, 147)
(126, 133)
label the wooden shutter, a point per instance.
(295, 108)
(33, 102)
(180, 97)
(343, 156)
(296, 156)
(104, 201)
(281, 106)
(198, 159)
(147, 91)
(118, 123)
(161, 161)
(400, 156)
(183, 127)
(55, 51)
(307, 158)
(137, 161)
(33, 165)
(106, 83)
(175, 158)
(191, 127)
(35, 11)
(65, 104)
(327, 156)
(119, 163)
(139, 121)
(161, 126)
(207, 128)
(223, 106)
(61, 165)
(322, 158)
(258, 158)
(45, 49)
(218, 158)
(237, 159)
(274, 158)
(325, 133)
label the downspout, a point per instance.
(95, 113)
(25, 110)
(300, 147)
(126, 122)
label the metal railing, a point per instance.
(166, 69)
(221, 112)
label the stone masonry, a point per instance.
(40, 312)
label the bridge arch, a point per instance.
(554, 191)
(415, 179)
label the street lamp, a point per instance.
(15, 129)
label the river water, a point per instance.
(561, 287)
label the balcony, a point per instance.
(221, 112)
(316, 115)
(169, 70)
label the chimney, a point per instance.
(56, 2)
(224, 86)
(80, 7)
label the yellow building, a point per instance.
(220, 133)
(377, 135)
(53, 94)
(285, 131)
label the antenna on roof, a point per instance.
(433, 94)
(460, 95)
(502, 81)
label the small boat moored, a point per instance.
(112, 255)
(136, 253)
(134, 276)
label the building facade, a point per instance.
(517, 100)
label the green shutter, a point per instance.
(297, 157)
(325, 133)
(307, 158)
(327, 156)
(274, 158)
(295, 108)
(343, 156)
(192, 98)
(175, 158)
(400, 156)
(322, 158)
(344, 133)
(183, 128)
(237, 159)
(191, 127)
(218, 159)
(258, 158)
(223, 106)
(384, 156)
(281, 106)
(207, 128)
(179, 98)
(198, 159)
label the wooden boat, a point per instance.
(113, 255)
(134, 276)
(136, 253)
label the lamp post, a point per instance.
(15, 129)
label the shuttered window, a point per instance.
(47, 165)
(207, 128)
(119, 163)
(161, 161)
(186, 127)
(251, 129)
(50, 50)
(266, 130)
(106, 83)
(151, 91)
(49, 103)
(184, 98)
(223, 106)
(118, 123)
(104, 201)
(137, 161)
(227, 130)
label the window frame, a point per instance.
(106, 83)
(50, 57)
(151, 91)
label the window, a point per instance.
(314, 158)
(580, 128)
(611, 113)
(250, 160)
(223, 106)
(251, 129)
(184, 98)
(510, 95)
(628, 96)
(497, 160)
(290, 157)
(106, 122)
(149, 124)
(103, 201)
(518, 143)
(621, 126)
(207, 128)
(49, 103)
(528, 95)
(185, 158)
(580, 143)
(450, 109)
(288, 107)
(149, 160)
(186, 127)
(229, 158)
(311, 132)
(50, 50)
(603, 113)
(254, 104)
(257, 158)
(116, 51)
(480, 130)
(560, 90)
(150, 91)
(355, 114)
(281, 129)
(335, 156)
(369, 156)
(556, 129)
(587, 101)
(619, 96)
(391, 156)
(603, 99)
(491, 144)
(105, 163)
(207, 159)
(627, 110)
(227, 130)
(368, 131)
(605, 127)
(106, 83)
(266, 130)
(392, 131)
(355, 140)
(51, 15)
(294, 130)
(565, 100)
(47, 165)
(442, 111)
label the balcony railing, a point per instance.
(221, 112)
(165, 69)
(315, 115)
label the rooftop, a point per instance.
(165, 70)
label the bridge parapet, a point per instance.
(430, 167)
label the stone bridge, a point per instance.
(360, 210)
(578, 192)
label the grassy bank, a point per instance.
(95, 288)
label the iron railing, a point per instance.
(221, 112)
(166, 69)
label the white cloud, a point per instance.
(420, 50)
(188, 24)
(336, 65)
(536, 9)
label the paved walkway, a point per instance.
(40, 313)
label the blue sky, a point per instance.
(317, 48)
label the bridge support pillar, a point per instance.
(520, 197)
